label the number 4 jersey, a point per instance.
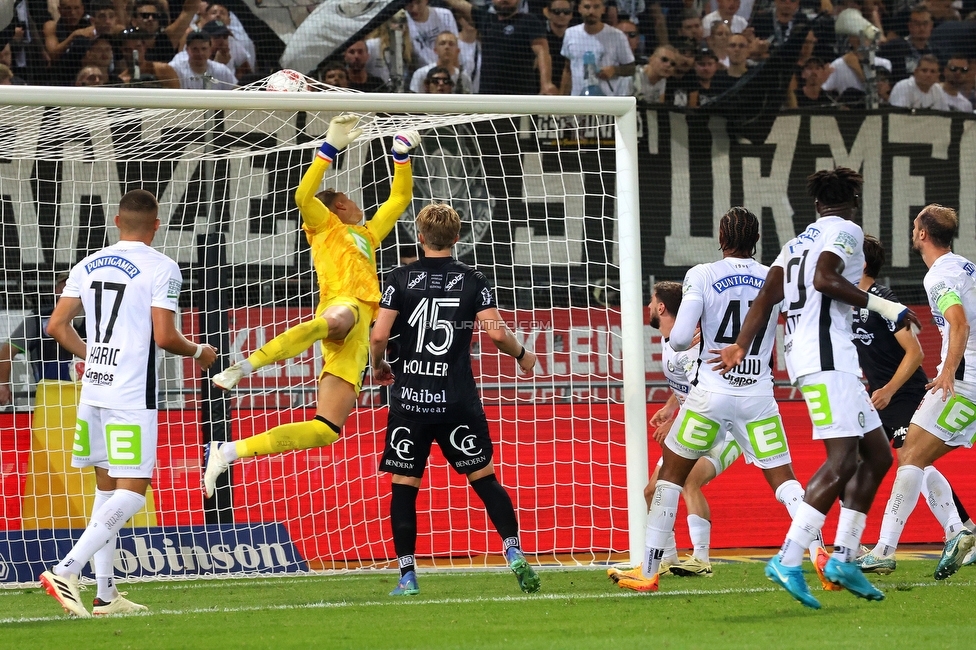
(118, 287)
(818, 329)
(437, 300)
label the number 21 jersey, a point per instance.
(818, 328)
(118, 287)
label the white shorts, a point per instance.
(838, 404)
(724, 454)
(123, 442)
(706, 420)
(952, 421)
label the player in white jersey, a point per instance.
(717, 296)
(815, 278)
(946, 418)
(129, 294)
(679, 369)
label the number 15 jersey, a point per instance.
(720, 293)
(118, 287)
(818, 328)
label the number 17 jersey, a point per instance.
(722, 292)
(118, 287)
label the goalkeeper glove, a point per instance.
(403, 143)
(340, 134)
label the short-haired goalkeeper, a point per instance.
(343, 247)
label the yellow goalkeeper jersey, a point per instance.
(344, 255)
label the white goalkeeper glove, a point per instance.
(403, 143)
(341, 133)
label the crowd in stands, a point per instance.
(687, 53)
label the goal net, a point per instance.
(547, 194)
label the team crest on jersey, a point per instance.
(455, 282)
(417, 280)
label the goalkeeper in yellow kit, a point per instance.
(343, 250)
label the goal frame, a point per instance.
(622, 109)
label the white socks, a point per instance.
(904, 496)
(805, 528)
(700, 531)
(671, 550)
(850, 527)
(104, 558)
(938, 494)
(229, 451)
(104, 525)
(660, 524)
(790, 494)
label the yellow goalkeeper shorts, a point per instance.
(347, 359)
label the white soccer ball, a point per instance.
(287, 81)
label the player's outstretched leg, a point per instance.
(286, 345)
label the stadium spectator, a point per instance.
(634, 40)
(104, 19)
(775, 26)
(955, 74)
(818, 302)
(167, 36)
(614, 58)
(810, 94)
(651, 80)
(48, 361)
(891, 359)
(732, 403)
(943, 11)
(356, 57)
(706, 66)
(559, 14)
(124, 395)
(426, 23)
(225, 49)
(469, 42)
(515, 52)
(922, 89)
(882, 79)
(91, 76)
(134, 41)
(65, 41)
(684, 80)
(6, 59)
(936, 427)
(6, 79)
(100, 54)
(385, 62)
(197, 71)
(412, 421)
(847, 72)
(738, 64)
(726, 13)
(691, 27)
(23, 46)
(447, 58)
(905, 53)
(217, 11)
(438, 81)
(718, 42)
(335, 74)
(349, 292)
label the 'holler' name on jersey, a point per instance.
(437, 300)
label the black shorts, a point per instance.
(896, 417)
(466, 445)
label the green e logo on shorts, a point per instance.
(124, 444)
(731, 453)
(818, 404)
(82, 443)
(957, 414)
(767, 437)
(697, 432)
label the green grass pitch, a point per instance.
(577, 608)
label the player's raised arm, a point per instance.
(829, 280)
(342, 131)
(491, 322)
(758, 316)
(401, 189)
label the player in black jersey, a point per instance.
(891, 359)
(432, 306)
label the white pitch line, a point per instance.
(467, 601)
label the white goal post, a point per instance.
(120, 128)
